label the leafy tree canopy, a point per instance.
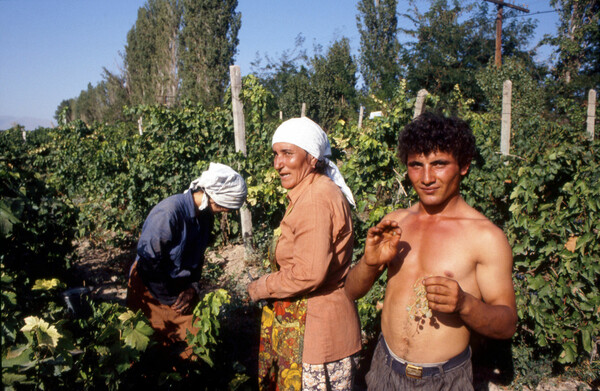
(452, 40)
(379, 48)
(326, 83)
(577, 44)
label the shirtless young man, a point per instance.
(445, 249)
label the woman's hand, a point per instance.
(185, 301)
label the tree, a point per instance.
(334, 83)
(114, 90)
(177, 48)
(287, 79)
(208, 42)
(452, 41)
(378, 27)
(325, 83)
(88, 105)
(577, 43)
(101, 103)
(151, 53)
(64, 111)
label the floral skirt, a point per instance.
(281, 344)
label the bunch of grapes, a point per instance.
(420, 308)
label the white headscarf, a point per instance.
(224, 185)
(306, 134)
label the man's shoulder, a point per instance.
(480, 222)
(483, 234)
(400, 214)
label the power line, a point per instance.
(537, 13)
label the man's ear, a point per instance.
(464, 169)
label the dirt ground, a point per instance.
(105, 270)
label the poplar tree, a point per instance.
(151, 53)
(101, 103)
(378, 27)
(208, 42)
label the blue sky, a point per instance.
(51, 49)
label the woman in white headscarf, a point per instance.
(163, 281)
(310, 331)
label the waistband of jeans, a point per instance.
(426, 371)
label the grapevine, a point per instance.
(420, 309)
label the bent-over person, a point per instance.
(164, 279)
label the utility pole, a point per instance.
(501, 4)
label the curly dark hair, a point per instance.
(432, 132)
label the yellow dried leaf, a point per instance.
(571, 243)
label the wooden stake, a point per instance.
(360, 116)
(420, 103)
(591, 113)
(239, 124)
(239, 128)
(506, 117)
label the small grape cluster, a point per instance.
(420, 308)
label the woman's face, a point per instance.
(292, 163)
(216, 208)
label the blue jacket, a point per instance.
(170, 251)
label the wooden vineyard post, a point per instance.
(239, 128)
(360, 116)
(420, 103)
(591, 113)
(303, 114)
(506, 113)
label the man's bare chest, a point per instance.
(435, 250)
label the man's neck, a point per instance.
(448, 208)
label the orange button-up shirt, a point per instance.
(314, 253)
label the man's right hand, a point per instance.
(383, 243)
(381, 247)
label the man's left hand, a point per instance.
(185, 301)
(444, 294)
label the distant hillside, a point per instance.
(30, 123)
